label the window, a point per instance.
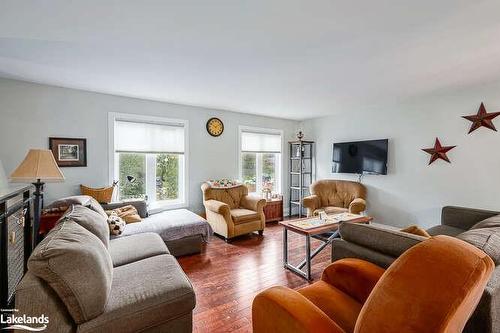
(148, 159)
(260, 159)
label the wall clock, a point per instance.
(215, 127)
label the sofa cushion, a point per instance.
(77, 266)
(444, 230)
(82, 200)
(340, 307)
(90, 220)
(382, 238)
(331, 210)
(242, 215)
(491, 222)
(124, 250)
(134, 305)
(486, 239)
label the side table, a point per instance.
(273, 210)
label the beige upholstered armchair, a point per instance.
(232, 212)
(335, 196)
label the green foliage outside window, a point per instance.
(133, 165)
(167, 177)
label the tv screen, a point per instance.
(361, 157)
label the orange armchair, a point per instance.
(433, 287)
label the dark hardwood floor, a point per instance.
(227, 276)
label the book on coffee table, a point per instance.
(315, 222)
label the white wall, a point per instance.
(412, 192)
(30, 113)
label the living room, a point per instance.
(184, 158)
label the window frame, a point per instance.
(261, 130)
(154, 206)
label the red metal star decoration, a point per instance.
(482, 118)
(438, 152)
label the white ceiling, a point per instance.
(290, 59)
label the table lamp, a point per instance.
(38, 167)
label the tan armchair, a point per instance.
(335, 196)
(232, 212)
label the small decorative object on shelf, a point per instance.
(482, 119)
(301, 173)
(69, 152)
(438, 152)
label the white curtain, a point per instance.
(260, 142)
(137, 137)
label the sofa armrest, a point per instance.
(217, 206)
(464, 218)
(357, 206)
(140, 205)
(355, 277)
(283, 310)
(312, 202)
(380, 238)
(253, 202)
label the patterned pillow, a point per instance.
(116, 224)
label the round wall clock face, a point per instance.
(215, 127)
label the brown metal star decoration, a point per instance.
(438, 152)
(482, 118)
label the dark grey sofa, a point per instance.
(381, 245)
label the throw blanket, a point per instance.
(171, 225)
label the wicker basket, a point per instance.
(103, 195)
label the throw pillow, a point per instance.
(491, 222)
(77, 266)
(128, 213)
(416, 230)
(90, 220)
(486, 239)
(116, 224)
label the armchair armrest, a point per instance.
(283, 310)
(384, 239)
(217, 206)
(355, 277)
(311, 202)
(253, 202)
(357, 206)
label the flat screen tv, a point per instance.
(360, 157)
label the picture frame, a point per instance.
(69, 152)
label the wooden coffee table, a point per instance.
(325, 233)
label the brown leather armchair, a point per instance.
(433, 287)
(335, 196)
(232, 212)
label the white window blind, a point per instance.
(252, 142)
(139, 137)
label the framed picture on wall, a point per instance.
(69, 152)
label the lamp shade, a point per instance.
(38, 164)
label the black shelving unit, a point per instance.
(301, 174)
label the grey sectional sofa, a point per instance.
(85, 282)
(381, 245)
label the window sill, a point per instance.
(160, 206)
